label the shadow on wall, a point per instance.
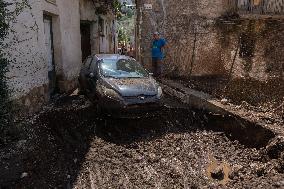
(234, 47)
(252, 48)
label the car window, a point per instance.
(122, 68)
(87, 62)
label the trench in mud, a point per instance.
(66, 132)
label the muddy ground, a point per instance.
(68, 146)
(267, 97)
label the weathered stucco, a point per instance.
(26, 49)
(203, 37)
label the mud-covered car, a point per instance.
(119, 86)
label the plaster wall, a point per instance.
(101, 42)
(25, 48)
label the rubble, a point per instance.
(74, 148)
(275, 148)
(218, 173)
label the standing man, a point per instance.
(158, 46)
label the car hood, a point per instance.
(133, 86)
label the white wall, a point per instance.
(26, 49)
(71, 38)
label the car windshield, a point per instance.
(122, 68)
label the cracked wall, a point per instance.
(25, 48)
(203, 39)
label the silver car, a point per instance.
(119, 86)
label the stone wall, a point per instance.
(203, 39)
(257, 6)
(186, 25)
(253, 48)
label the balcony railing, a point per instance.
(271, 7)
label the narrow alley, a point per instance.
(68, 146)
(141, 94)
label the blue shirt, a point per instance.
(157, 48)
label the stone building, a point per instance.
(241, 38)
(47, 42)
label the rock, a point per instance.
(21, 143)
(275, 147)
(137, 157)
(235, 171)
(152, 157)
(163, 161)
(224, 101)
(245, 104)
(23, 175)
(279, 184)
(217, 173)
(258, 169)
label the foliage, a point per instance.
(122, 36)
(116, 6)
(126, 24)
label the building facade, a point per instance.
(47, 43)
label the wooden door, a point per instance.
(49, 52)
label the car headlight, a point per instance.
(160, 92)
(109, 93)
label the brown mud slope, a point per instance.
(266, 96)
(70, 147)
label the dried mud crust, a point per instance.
(261, 102)
(251, 94)
(70, 147)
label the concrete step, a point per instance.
(252, 128)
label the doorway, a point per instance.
(50, 54)
(85, 40)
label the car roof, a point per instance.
(112, 56)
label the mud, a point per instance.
(262, 96)
(69, 146)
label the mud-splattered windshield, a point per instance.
(122, 68)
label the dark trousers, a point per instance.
(157, 66)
